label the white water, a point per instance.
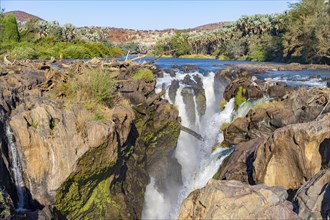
(16, 168)
(195, 157)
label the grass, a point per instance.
(198, 56)
(145, 74)
(91, 88)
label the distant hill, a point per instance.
(22, 16)
(210, 27)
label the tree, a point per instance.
(307, 33)
(9, 29)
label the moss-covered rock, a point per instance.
(6, 206)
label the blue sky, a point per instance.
(150, 14)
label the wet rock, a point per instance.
(293, 154)
(239, 164)
(172, 90)
(188, 99)
(188, 68)
(314, 197)
(279, 89)
(218, 199)
(250, 88)
(171, 72)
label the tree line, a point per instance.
(302, 34)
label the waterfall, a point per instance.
(198, 163)
(16, 168)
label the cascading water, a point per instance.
(198, 162)
(16, 168)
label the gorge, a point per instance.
(65, 157)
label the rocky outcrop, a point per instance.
(293, 154)
(251, 89)
(6, 206)
(299, 106)
(314, 197)
(239, 166)
(236, 200)
(79, 162)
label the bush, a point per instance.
(76, 51)
(145, 74)
(23, 53)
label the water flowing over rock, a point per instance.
(218, 199)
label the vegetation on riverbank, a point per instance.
(299, 35)
(43, 40)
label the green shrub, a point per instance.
(240, 97)
(116, 52)
(76, 51)
(145, 74)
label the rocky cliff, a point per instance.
(80, 161)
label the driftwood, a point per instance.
(192, 133)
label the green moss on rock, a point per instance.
(240, 97)
(79, 196)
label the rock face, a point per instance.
(75, 163)
(239, 164)
(6, 206)
(236, 200)
(293, 154)
(314, 197)
(53, 140)
(297, 107)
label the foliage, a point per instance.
(180, 45)
(145, 74)
(23, 53)
(307, 31)
(8, 29)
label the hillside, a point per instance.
(22, 16)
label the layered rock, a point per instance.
(293, 154)
(236, 200)
(299, 106)
(6, 206)
(314, 197)
(76, 163)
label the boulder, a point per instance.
(238, 166)
(293, 154)
(235, 200)
(314, 197)
(250, 88)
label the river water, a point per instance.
(198, 162)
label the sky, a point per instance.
(145, 15)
